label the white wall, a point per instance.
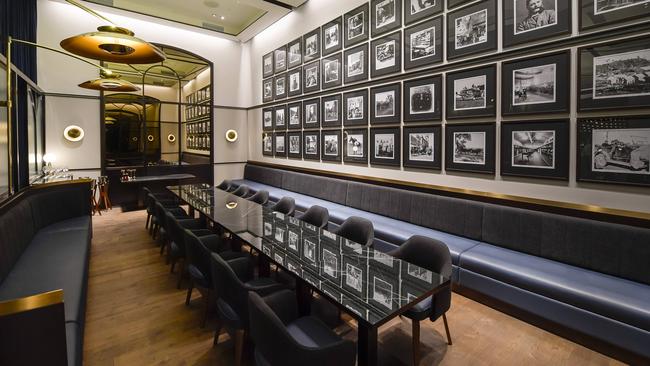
(317, 12)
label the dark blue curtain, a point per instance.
(18, 18)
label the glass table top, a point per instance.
(372, 285)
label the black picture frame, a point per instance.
(267, 70)
(332, 36)
(355, 25)
(294, 87)
(267, 119)
(380, 99)
(355, 64)
(267, 143)
(414, 11)
(590, 17)
(536, 149)
(472, 100)
(380, 153)
(382, 48)
(517, 30)
(291, 136)
(311, 145)
(311, 46)
(454, 3)
(358, 116)
(355, 141)
(294, 53)
(330, 138)
(280, 59)
(331, 71)
(279, 93)
(279, 136)
(280, 124)
(311, 118)
(607, 95)
(268, 84)
(544, 79)
(599, 137)
(418, 152)
(485, 160)
(331, 107)
(311, 77)
(458, 44)
(422, 99)
(385, 15)
(294, 110)
(429, 31)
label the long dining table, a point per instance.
(371, 286)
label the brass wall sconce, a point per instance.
(231, 135)
(150, 138)
(171, 138)
(73, 133)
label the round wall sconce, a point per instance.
(231, 205)
(73, 133)
(231, 135)
(171, 138)
(134, 138)
(150, 138)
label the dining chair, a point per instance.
(226, 185)
(316, 215)
(241, 191)
(358, 230)
(261, 197)
(286, 205)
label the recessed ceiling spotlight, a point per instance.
(214, 15)
(223, 18)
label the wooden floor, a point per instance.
(136, 316)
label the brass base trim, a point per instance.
(22, 304)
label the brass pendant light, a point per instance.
(109, 81)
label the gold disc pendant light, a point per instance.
(109, 81)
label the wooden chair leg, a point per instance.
(181, 272)
(239, 346)
(189, 294)
(146, 223)
(444, 319)
(217, 331)
(416, 341)
(171, 270)
(208, 301)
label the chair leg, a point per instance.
(416, 341)
(146, 223)
(181, 272)
(208, 301)
(189, 293)
(171, 270)
(239, 346)
(444, 319)
(217, 331)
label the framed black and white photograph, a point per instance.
(280, 59)
(423, 44)
(471, 93)
(423, 99)
(386, 16)
(383, 293)
(295, 144)
(280, 117)
(267, 144)
(385, 104)
(454, 3)
(355, 64)
(267, 90)
(331, 37)
(536, 85)
(470, 147)
(472, 29)
(311, 113)
(385, 146)
(422, 147)
(415, 10)
(295, 84)
(355, 107)
(532, 20)
(280, 86)
(267, 65)
(538, 149)
(311, 77)
(267, 119)
(279, 144)
(331, 110)
(331, 145)
(355, 274)
(311, 45)
(294, 111)
(293, 236)
(330, 259)
(331, 71)
(615, 75)
(597, 13)
(311, 145)
(355, 25)
(294, 53)
(356, 145)
(614, 150)
(386, 55)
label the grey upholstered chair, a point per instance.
(241, 191)
(261, 197)
(226, 185)
(286, 205)
(357, 229)
(281, 337)
(316, 215)
(433, 255)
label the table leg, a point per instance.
(303, 295)
(263, 266)
(367, 345)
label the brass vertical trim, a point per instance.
(27, 303)
(9, 120)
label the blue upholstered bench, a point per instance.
(587, 276)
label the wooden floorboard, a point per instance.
(136, 316)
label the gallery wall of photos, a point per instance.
(198, 117)
(404, 121)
